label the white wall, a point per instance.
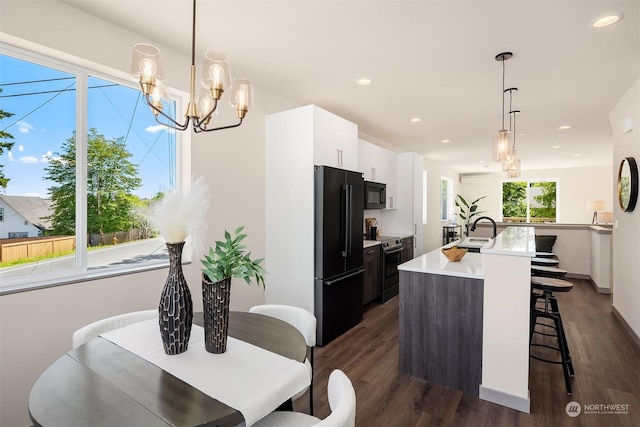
(626, 235)
(432, 231)
(570, 193)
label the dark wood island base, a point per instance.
(440, 325)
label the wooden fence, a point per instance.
(15, 249)
(33, 247)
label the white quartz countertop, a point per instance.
(368, 243)
(435, 262)
(514, 241)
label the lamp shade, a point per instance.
(216, 75)
(502, 148)
(241, 96)
(596, 205)
(146, 63)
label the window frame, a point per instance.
(82, 69)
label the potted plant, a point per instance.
(229, 259)
(468, 211)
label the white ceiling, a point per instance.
(427, 59)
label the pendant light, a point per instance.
(501, 144)
(513, 169)
(509, 162)
(146, 68)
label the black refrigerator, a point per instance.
(339, 208)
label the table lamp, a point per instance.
(595, 206)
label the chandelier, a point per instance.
(502, 149)
(146, 68)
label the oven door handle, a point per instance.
(395, 251)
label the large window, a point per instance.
(82, 160)
(529, 201)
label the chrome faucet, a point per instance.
(473, 227)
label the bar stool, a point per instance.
(549, 310)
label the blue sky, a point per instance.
(44, 117)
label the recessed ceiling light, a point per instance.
(564, 127)
(445, 141)
(364, 82)
(556, 146)
(415, 120)
(577, 155)
(606, 20)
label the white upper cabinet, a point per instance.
(335, 140)
(379, 165)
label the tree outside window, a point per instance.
(529, 201)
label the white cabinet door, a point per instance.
(335, 140)
(379, 165)
(407, 218)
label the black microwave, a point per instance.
(375, 196)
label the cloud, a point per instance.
(28, 159)
(10, 154)
(24, 127)
(158, 129)
(20, 147)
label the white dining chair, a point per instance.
(303, 321)
(94, 329)
(342, 401)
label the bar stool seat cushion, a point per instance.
(541, 270)
(549, 262)
(551, 284)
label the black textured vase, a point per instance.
(215, 299)
(175, 312)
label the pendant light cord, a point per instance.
(503, 59)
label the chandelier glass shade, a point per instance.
(147, 69)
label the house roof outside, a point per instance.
(33, 209)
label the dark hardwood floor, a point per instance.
(606, 361)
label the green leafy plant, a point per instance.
(468, 211)
(229, 259)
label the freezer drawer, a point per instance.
(338, 305)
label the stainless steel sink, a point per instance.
(479, 239)
(470, 248)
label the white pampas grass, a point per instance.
(182, 214)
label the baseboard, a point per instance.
(505, 399)
(634, 337)
(598, 289)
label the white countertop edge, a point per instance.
(440, 272)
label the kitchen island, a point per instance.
(466, 324)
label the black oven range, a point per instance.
(391, 258)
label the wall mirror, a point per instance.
(628, 184)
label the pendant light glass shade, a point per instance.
(216, 76)
(502, 148)
(515, 173)
(146, 66)
(241, 96)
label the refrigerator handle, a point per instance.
(345, 221)
(350, 219)
(333, 282)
